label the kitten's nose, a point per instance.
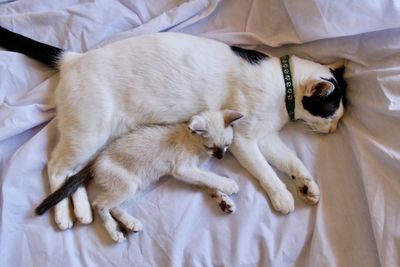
(218, 153)
(333, 128)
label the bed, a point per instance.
(356, 223)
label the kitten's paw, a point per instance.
(308, 191)
(114, 231)
(62, 215)
(117, 236)
(133, 225)
(282, 200)
(229, 187)
(130, 223)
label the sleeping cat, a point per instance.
(169, 77)
(133, 161)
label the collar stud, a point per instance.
(287, 77)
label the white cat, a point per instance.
(141, 157)
(167, 78)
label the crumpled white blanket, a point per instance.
(357, 222)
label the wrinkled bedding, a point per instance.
(356, 223)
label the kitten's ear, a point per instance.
(340, 64)
(197, 125)
(319, 88)
(231, 116)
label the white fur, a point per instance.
(135, 160)
(167, 78)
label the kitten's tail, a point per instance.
(44, 53)
(69, 187)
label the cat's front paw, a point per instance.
(308, 190)
(224, 201)
(229, 187)
(282, 200)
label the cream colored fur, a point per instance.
(141, 157)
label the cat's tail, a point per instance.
(44, 53)
(69, 187)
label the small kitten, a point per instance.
(141, 157)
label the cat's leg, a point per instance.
(129, 222)
(247, 152)
(279, 155)
(224, 201)
(208, 179)
(71, 153)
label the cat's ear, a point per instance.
(319, 88)
(231, 116)
(197, 125)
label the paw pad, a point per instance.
(225, 207)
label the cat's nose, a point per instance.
(218, 153)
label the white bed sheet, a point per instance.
(356, 223)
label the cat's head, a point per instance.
(214, 129)
(319, 94)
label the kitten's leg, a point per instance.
(103, 204)
(279, 155)
(129, 222)
(70, 154)
(110, 223)
(208, 179)
(107, 203)
(247, 152)
(224, 201)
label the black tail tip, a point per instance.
(41, 209)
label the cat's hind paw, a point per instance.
(62, 215)
(83, 213)
(282, 201)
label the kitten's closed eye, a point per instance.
(214, 146)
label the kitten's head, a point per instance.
(215, 130)
(320, 94)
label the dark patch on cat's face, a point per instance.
(251, 56)
(326, 105)
(304, 190)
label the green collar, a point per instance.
(287, 76)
